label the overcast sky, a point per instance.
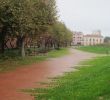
(85, 15)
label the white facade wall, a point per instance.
(86, 40)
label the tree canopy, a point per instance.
(32, 18)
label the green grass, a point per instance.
(90, 82)
(101, 49)
(12, 61)
(58, 53)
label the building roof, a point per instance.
(92, 35)
(95, 34)
(78, 33)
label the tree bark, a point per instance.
(2, 38)
(23, 49)
(21, 45)
(2, 46)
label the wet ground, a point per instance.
(12, 82)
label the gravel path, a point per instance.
(12, 82)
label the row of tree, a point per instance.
(34, 19)
(107, 40)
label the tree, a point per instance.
(36, 19)
(61, 35)
(26, 18)
(107, 40)
(23, 18)
(45, 15)
(6, 22)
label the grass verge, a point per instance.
(10, 63)
(90, 82)
(101, 49)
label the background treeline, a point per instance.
(107, 40)
(33, 24)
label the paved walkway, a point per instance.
(12, 82)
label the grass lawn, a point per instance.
(10, 63)
(101, 49)
(90, 82)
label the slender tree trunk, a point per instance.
(2, 39)
(3, 46)
(23, 49)
(43, 45)
(21, 45)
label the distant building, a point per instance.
(78, 38)
(90, 39)
(93, 39)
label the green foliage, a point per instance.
(26, 17)
(61, 34)
(58, 53)
(107, 40)
(34, 19)
(6, 22)
(88, 83)
(22, 15)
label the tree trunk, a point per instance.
(43, 45)
(21, 45)
(23, 49)
(3, 46)
(2, 39)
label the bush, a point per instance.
(10, 54)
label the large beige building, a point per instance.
(90, 39)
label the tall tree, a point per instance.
(61, 35)
(45, 15)
(6, 22)
(23, 19)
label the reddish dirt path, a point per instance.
(12, 82)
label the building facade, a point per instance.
(90, 39)
(78, 38)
